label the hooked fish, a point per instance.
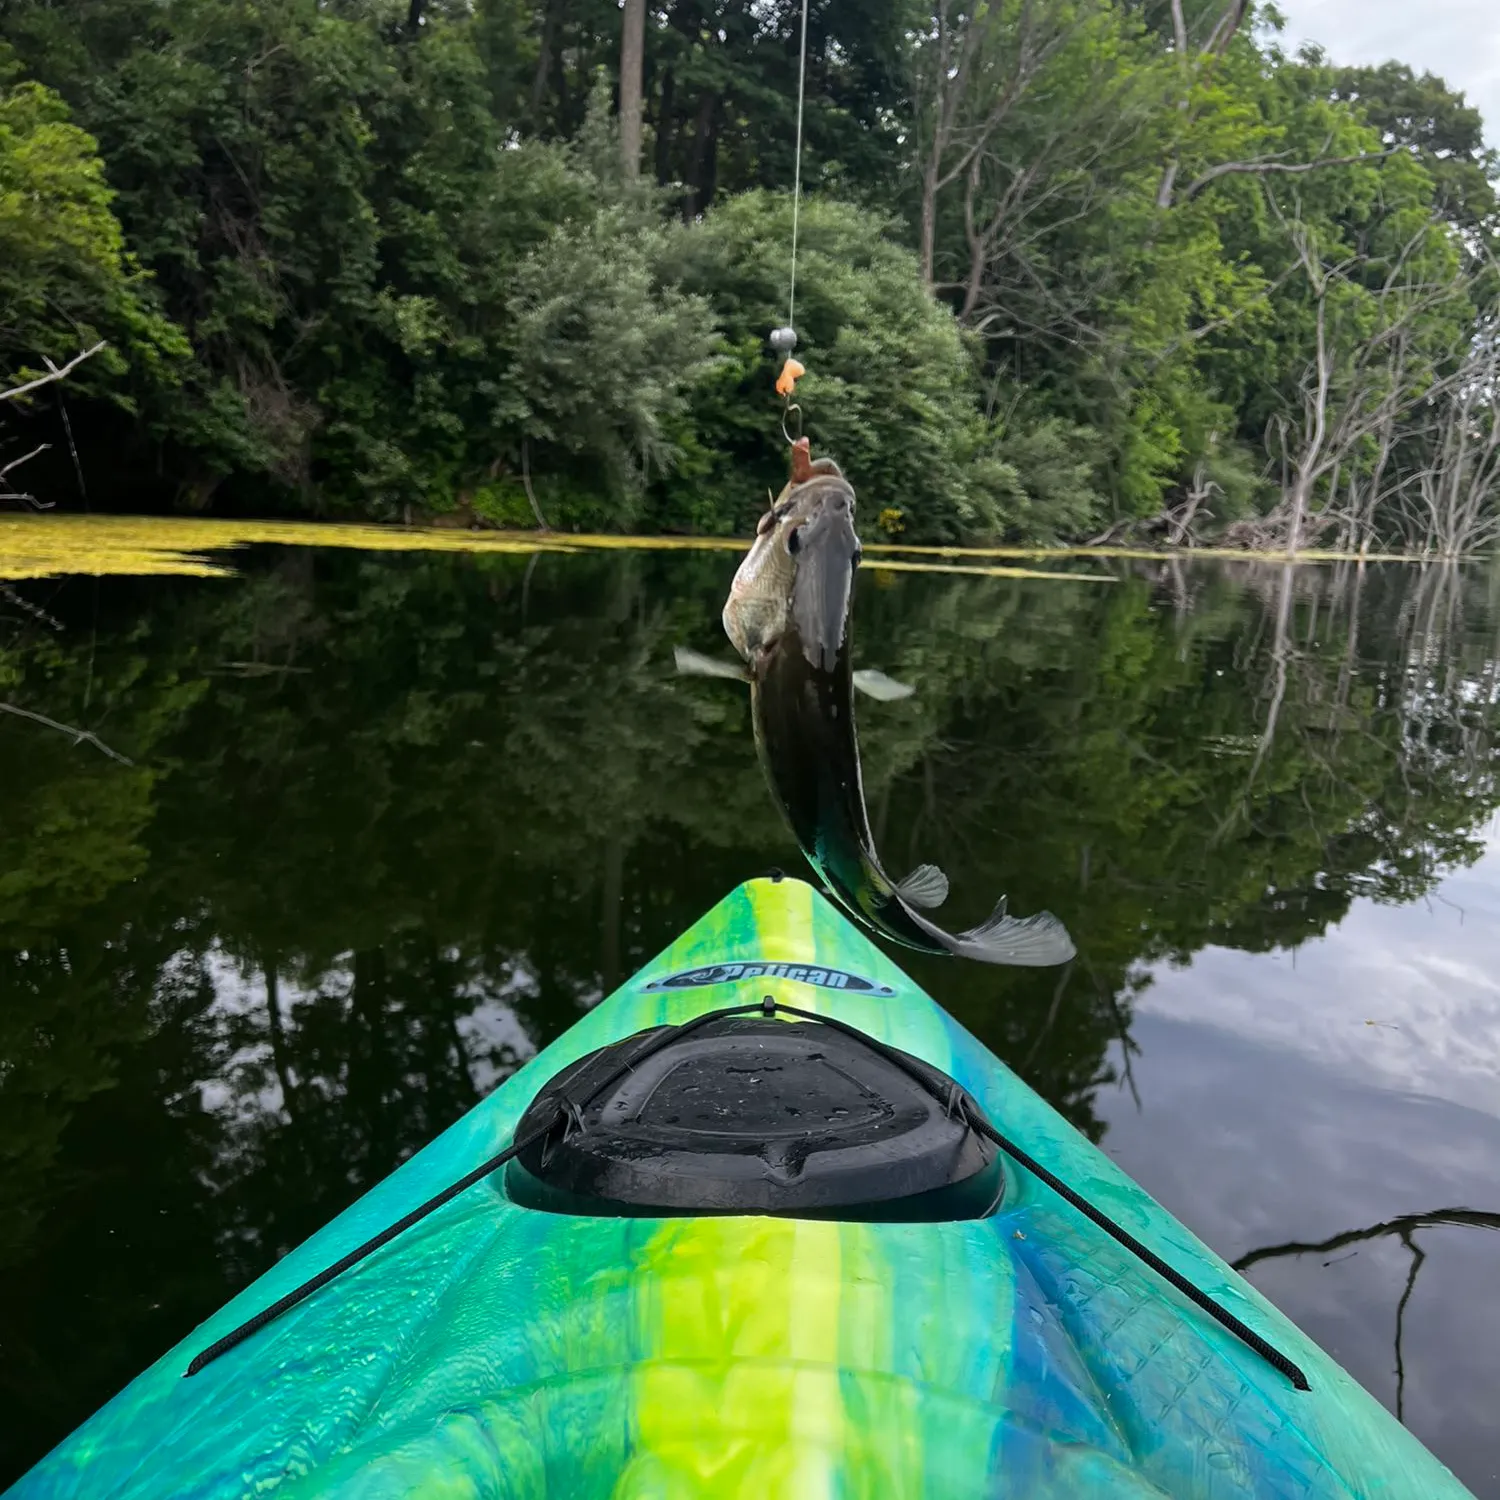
(788, 616)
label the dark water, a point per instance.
(393, 821)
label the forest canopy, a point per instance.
(1069, 269)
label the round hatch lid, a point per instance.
(751, 1115)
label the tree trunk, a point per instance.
(1308, 465)
(945, 87)
(664, 129)
(1228, 26)
(543, 60)
(975, 279)
(703, 169)
(414, 16)
(632, 53)
(929, 217)
(1166, 187)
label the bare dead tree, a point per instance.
(974, 63)
(1451, 505)
(1200, 491)
(1367, 371)
(1028, 182)
(536, 509)
(1281, 652)
(1192, 67)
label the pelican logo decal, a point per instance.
(828, 979)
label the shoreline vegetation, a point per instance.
(1069, 271)
(100, 545)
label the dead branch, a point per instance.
(1266, 165)
(1209, 53)
(536, 509)
(1229, 23)
(24, 496)
(54, 372)
(16, 463)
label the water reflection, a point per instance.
(1403, 1229)
(391, 822)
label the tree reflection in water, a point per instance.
(391, 823)
(1404, 1229)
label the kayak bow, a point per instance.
(903, 1313)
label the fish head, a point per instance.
(798, 576)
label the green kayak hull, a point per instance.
(494, 1352)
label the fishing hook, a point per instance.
(786, 411)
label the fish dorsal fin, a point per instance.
(926, 887)
(877, 685)
(694, 664)
(1031, 942)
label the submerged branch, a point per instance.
(79, 735)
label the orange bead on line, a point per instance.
(786, 382)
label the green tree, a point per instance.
(416, 276)
(890, 386)
(67, 283)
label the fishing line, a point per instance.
(784, 340)
(791, 299)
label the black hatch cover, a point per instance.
(751, 1115)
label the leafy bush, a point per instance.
(66, 281)
(890, 391)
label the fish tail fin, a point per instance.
(1030, 942)
(926, 887)
(694, 664)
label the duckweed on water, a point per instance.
(55, 546)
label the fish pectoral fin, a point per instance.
(695, 664)
(926, 887)
(877, 685)
(1031, 942)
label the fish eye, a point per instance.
(794, 540)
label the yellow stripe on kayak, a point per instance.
(737, 1395)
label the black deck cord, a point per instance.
(566, 1110)
(298, 1294)
(977, 1121)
